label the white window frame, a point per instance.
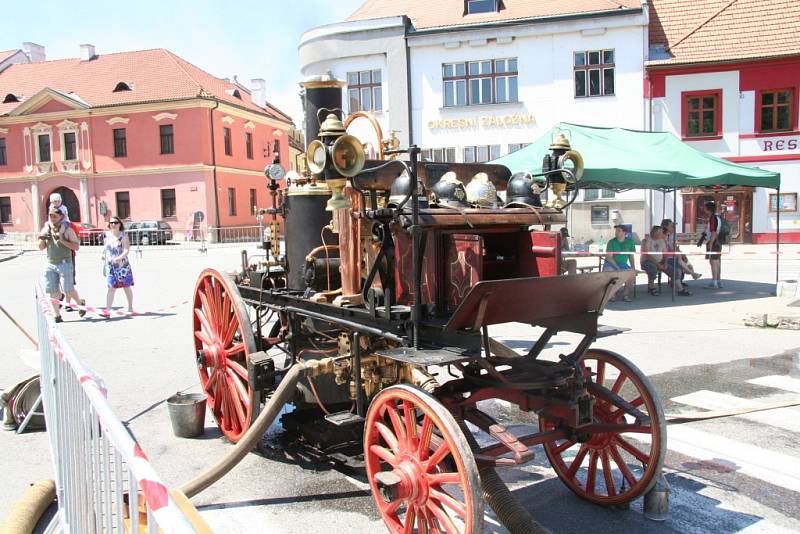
(587, 67)
(470, 78)
(440, 155)
(361, 88)
(491, 152)
(42, 129)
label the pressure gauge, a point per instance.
(275, 172)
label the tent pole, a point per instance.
(674, 238)
(777, 237)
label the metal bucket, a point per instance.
(188, 414)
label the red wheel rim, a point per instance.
(410, 434)
(613, 467)
(223, 347)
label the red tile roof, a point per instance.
(155, 76)
(707, 31)
(426, 14)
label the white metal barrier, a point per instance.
(103, 478)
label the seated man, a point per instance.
(669, 235)
(620, 262)
(654, 260)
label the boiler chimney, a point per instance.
(258, 91)
(87, 52)
(35, 52)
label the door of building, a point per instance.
(734, 204)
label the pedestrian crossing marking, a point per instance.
(757, 462)
(786, 418)
(783, 382)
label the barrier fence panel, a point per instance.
(104, 481)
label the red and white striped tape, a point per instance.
(166, 512)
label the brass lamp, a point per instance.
(562, 154)
(335, 157)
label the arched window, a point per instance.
(122, 86)
(234, 93)
(10, 97)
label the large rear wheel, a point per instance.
(622, 456)
(421, 470)
(224, 341)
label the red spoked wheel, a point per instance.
(223, 341)
(627, 440)
(420, 467)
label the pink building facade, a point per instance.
(175, 142)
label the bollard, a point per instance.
(656, 501)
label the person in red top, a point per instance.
(713, 246)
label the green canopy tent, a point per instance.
(620, 159)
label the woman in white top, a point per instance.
(654, 260)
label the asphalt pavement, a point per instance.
(729, 475)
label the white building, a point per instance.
(471, 80)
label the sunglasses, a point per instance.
(114, 222)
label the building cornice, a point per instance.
(252, 116)
(164, 105)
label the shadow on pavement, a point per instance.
(733, 290)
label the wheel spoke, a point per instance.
(208, 307)
(204, 339)
(441, 516)
(449, 501)
(388, 437)
(607, 474)
(397, 424)
(636, 453)
(238, 368)
(425, 438)
(564, 446)
(438, 456)
(411, 518)
(622, 466)
(411, 423)
(384, 454)
(204, 323)
(576, 463)
(601, 372)
(240, 388)
(229, 328)
(238, 409)
(443, 478)
(618, 382)
(591, 477)
(235, 349)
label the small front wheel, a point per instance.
(622, 459)
(419, 465)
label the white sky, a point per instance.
(245, 38)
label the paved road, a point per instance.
(732, 475)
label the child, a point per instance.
(56, 202)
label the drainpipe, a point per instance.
(214, 165)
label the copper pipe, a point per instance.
(373, 121)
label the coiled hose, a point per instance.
(508, 509)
